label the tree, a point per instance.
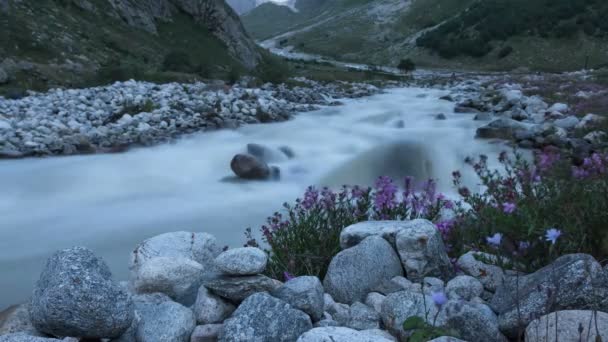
(406, 65)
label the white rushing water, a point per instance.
(110, 203)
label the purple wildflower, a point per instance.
(508, 207)
(494, 239)
(385, 194)
(439, 298)
(310, 198)
(288, 276)
(552, 235)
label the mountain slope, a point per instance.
(480, 34)
(63, 39)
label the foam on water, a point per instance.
(110, 203)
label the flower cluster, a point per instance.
(594, 166)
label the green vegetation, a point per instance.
(406, 65)
(272, 69)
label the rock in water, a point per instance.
(163, 320)
(263, 318)
(266, 154)
(200, 247)
(422, 251)
(178, 278)
(242, 261)
(353, 272)
(303, 293)
(249, 167)
(75, 296)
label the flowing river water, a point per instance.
(112, 202)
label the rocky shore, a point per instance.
(124, 114)
(184, 287)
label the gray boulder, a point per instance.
(341, 334)
(501, 129)
(353, 234)
(363, 317)
(422, 251)
(464, 287)
(162, 319)
(590, 120)
(262, 318)
(353, 272)
(374, 300)
(574, 281)
(179, 278)
(200, 247)
(242, 261)
(440, 116)
(17, 319)
(210, 308)
(340, 313)
(75, 296)
(489, 275)
(431, 285)
(471, 322)
(206, 333)
(572, 325)
(23, 337)
(236, 289)
(568, 122)
(399, 306)
(303, 293)
(247, 166)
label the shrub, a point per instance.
(177, 61)
(272, 69)
(118, 72)
(505, 51)
(233, 75)
(305, 237)
(534, 211)
(406, 65)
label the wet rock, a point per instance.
(242, 261)
(440, 116)
(370, 262)
(422, 251)
(572, 325)
(75, 296)
(303, 293)
(262, 318)
(179, 278)
(500, 129)
(266, 154)
(287, 151)
(210, 308)
(237, 288)
(249, 167)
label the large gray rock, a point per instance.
(162, 319)
(501, 129)
(574, 281)
(23, 337)
(572, 325)
(178, 278)
(263, 318)
(206, 333)
(210, 308)
(568, 122)
(303, 293)
(200, 247)
(399, 306)
(242, 261)
(17, 319)
(238, 288)
(75, 296)
(249, 167)
(472, 322)
(353, 272)
(395, 284)
(353, 234)
(340, 313)
(464, 287)
(341, 334)
(422, 251)
(363, 317)
(472, 263)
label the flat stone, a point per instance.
(242, 261)
(341, 334)
(237, 289)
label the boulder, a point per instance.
(236, 289)
(242, 261)
(558, 107)
(446, 339)
(440, 116)
(595, 137)
(422, 251)
(482, 117)
(263, 318)
(17, 319)
(501, 129)
(490, 276)
(340, 313)
(249, 167)
(303, 293)
(464, 287)
(568, 122)
(471, 322)
(287, 151)
(23, 337)
(341, 334)
(353, 234)
(534, 105)
(200, 247)
(266, 154)
(75, 296)
(590, 120)
(431, 285)
(572, 325)
(353, 272)
(178, 278)
(363, 317)
(399, 306)
(573, 281)
(162, 319)
(374, 300)
(206, 333)
(210, 308)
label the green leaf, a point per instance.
(414, 322)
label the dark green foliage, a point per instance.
(471, 32)
(423, 331)
(177, 61)
(406, 65)
(118, 72)
(505, 51)
(273, 69)
(233, 75)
